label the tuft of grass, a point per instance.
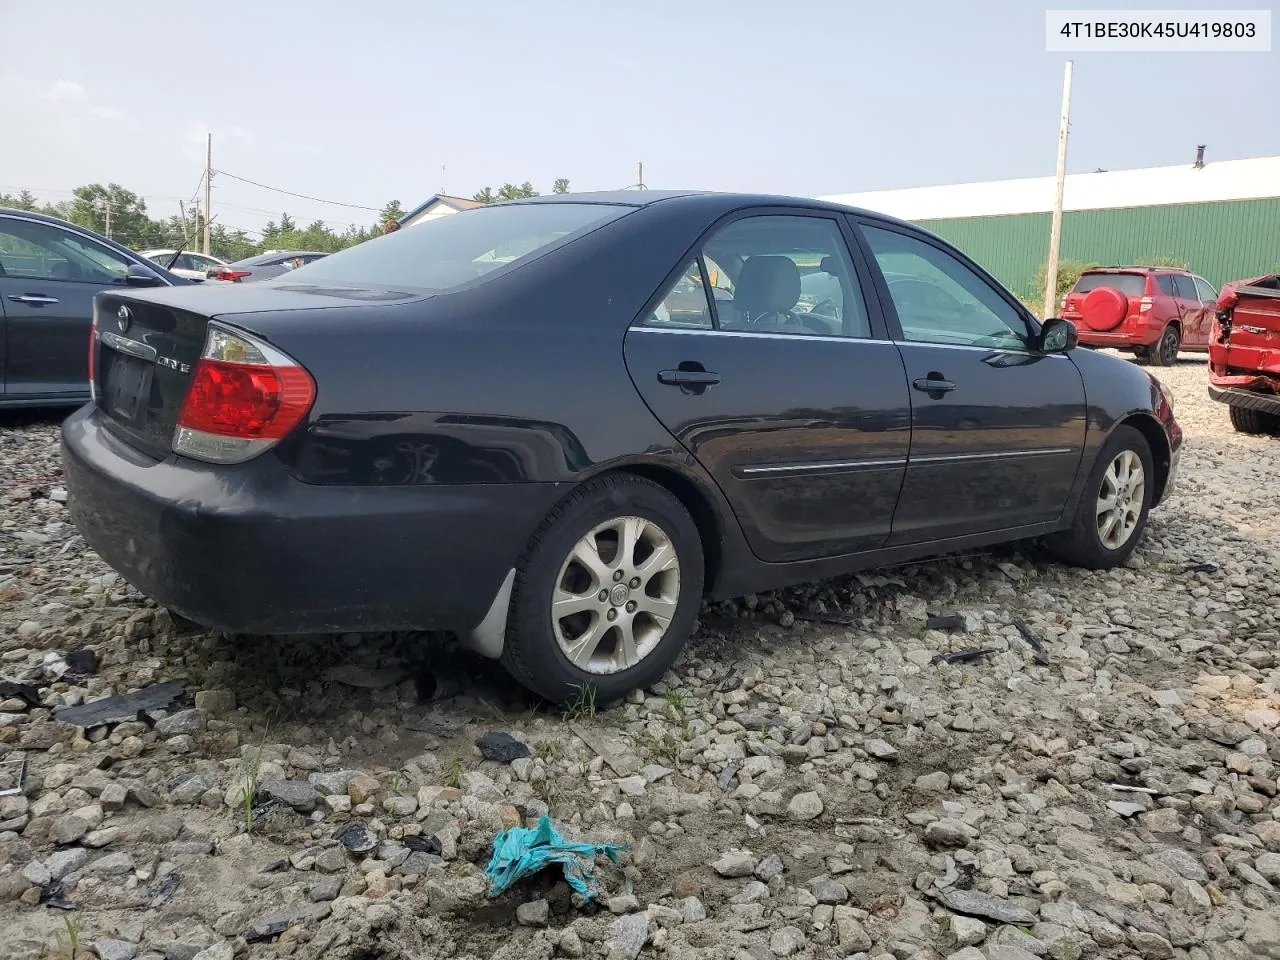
(397, 783)
(675, 697)
(250, 789)
(70, 946)
(669, 747)
(453, 776)
(583, 706)
(547, 750)
(548, 792)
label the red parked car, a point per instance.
(1244, 353)
(1153, 311)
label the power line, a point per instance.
(290, 193)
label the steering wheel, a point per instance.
(789, 319)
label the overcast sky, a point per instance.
(364, 102)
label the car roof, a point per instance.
(706, 199)
(1137, 268)
(76, 228)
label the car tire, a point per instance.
(1253, 421)
(1087, 542)
(597, 515)
(1165, 352)
(1142, 355)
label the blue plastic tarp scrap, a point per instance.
(520, 851)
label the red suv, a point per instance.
(1153, 311)
(1244, 353)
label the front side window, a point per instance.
(45, 252)
(939, 299)
(785, 274)
(447, 252)
(1206, 292)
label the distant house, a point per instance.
(440, 205)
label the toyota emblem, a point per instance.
(124, 316)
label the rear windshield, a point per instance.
(1130, 284)
(446, 252)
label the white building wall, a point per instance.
(1153, 186)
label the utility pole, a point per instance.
(208, 182)
(1055, 231)
(106, 209)
(640, 176)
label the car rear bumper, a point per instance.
(1248, 399)
(1123, 337)
(249, 549)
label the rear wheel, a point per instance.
(606, 594)
(1253, 421)
(1165, 353)
(1113, 508)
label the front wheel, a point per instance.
(1165, 353)
(1113, 508)
(1253, 421)
(606, 594)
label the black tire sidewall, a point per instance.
(1124, 437)
(1158, 352)
(539, 662)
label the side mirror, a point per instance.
(140, 276)
(1058, 336)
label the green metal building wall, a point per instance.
(1226, 240)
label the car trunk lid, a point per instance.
(146, 345)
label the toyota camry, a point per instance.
(553, 426)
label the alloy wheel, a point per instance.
(615, 595)
(1121, 499)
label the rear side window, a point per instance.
(446, 252)
(1130, 284)
(1207, 293)
(1186, 288)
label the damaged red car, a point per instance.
(1244, 353)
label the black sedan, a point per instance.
(515, 423)
(49, 273)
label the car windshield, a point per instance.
(1130, 284)
(446, 252)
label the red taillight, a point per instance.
(243, 397)
(253, 402)
(223, 274)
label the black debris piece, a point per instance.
(501, 747)
(266, 931)
(1202, 568)
(29, 693)
(83, 663)
(951, 621)
(356, 838)
(276, 866)
(130, 706)
(962, 656)
(53, 895)
(166, 891)
(728, 773)
(436, 725)
(967, 873)
(1032, 641)
(825, 618)
(423, 844)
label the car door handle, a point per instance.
(933, 384)
(36, 298)
(688, 378)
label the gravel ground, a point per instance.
(808, 782)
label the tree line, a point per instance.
(131, 224)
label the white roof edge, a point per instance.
(1250, 179)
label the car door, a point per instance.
(1197, 322)
(801, 418)
(997, 429)
(50, 277)
(1191, 310)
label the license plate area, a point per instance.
(126, 385)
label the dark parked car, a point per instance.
(539, 453)
(49, 272)
(265, 265)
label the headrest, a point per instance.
(767, 284)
